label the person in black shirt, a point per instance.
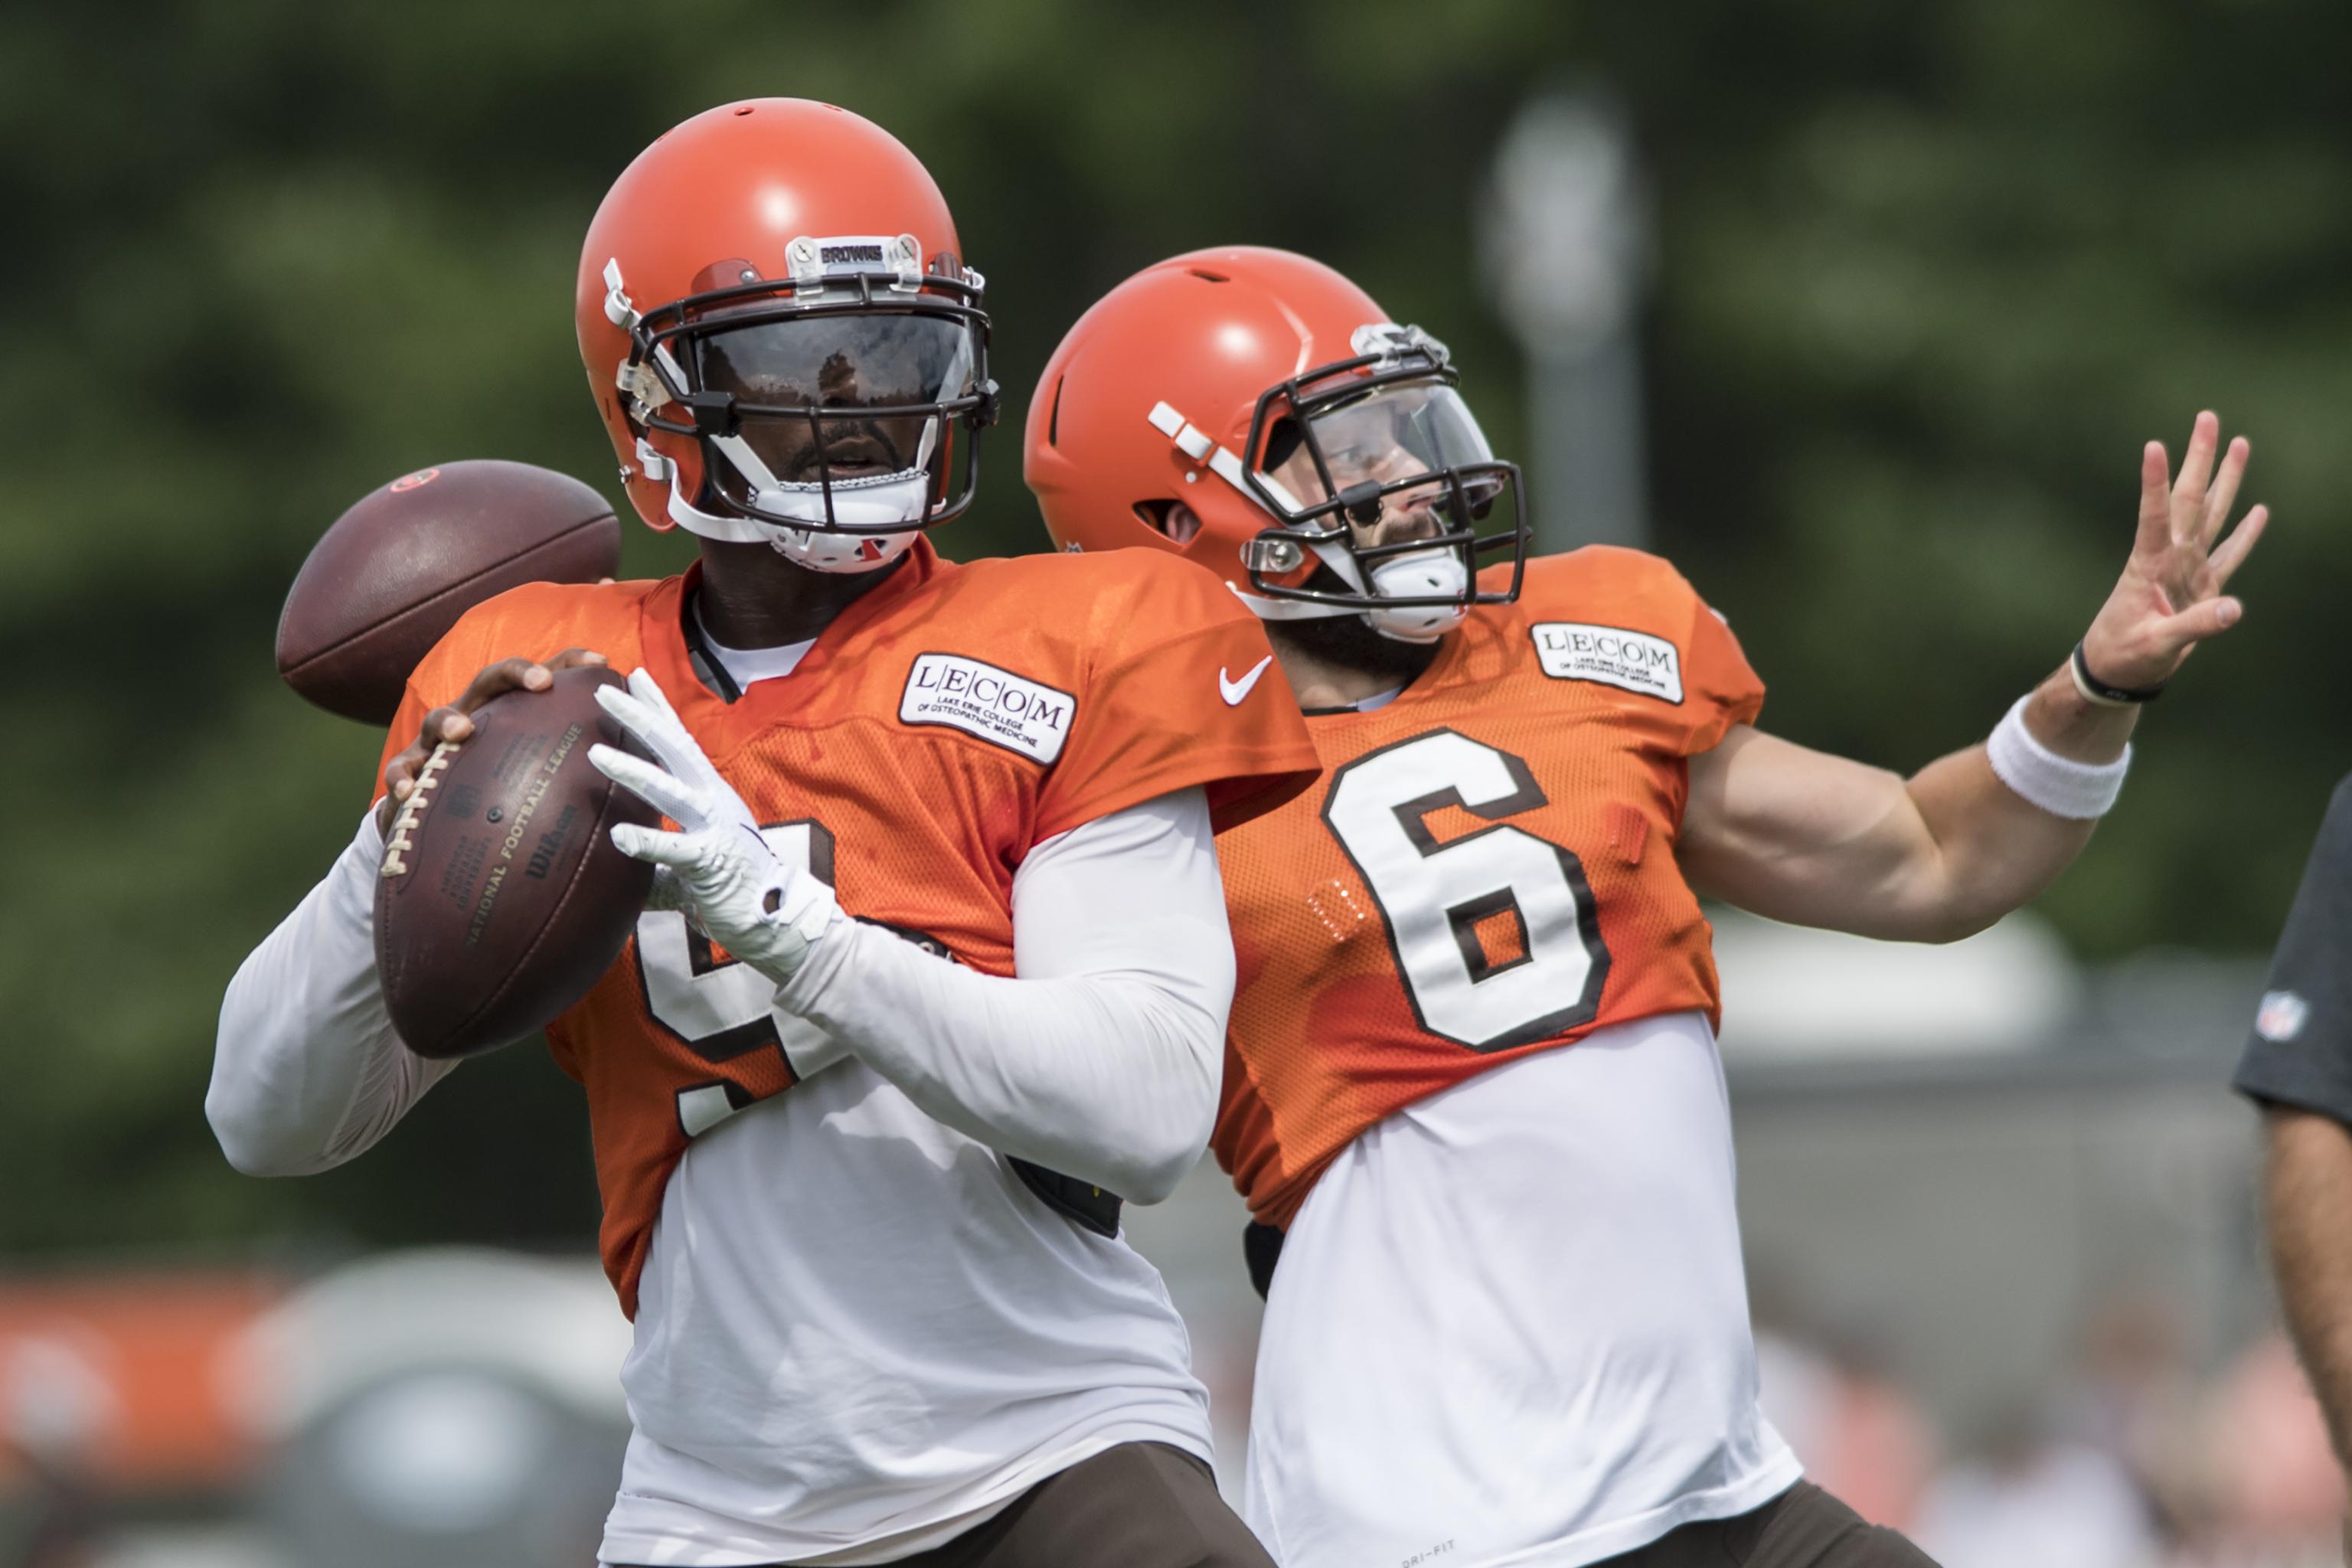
(2299, 1067)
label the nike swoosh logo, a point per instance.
(1235, 690)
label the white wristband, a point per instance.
(2059, 785)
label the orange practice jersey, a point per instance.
(1487, 867)
(946, 722)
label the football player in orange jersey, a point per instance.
(943, 959)
(1509, 1324)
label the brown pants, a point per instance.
(1804, 1527)
(1140, 1505)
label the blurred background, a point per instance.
(1859, 313)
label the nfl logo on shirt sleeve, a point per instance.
(2282, 1016)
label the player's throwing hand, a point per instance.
(454, 723)
(2169, 598)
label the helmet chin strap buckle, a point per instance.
(619, 309)
(653, 464)
(1273, 557)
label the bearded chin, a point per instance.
(1349, 641)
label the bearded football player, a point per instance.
(1472, 1092)
(939, 958)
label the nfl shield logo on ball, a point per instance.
(2281, 1016)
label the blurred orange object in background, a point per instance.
(119, 1380)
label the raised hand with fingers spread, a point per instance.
(2170, 595)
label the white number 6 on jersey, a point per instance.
(1432, 896)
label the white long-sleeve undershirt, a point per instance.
(307, 1071)
(1100, 1060)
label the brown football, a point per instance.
(397, 571)
(501, 898)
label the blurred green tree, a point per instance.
(1929, 274)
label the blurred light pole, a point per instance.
(1566, 242)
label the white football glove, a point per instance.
(735, 888)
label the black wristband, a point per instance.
(2099, 691)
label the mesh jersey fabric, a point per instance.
(1486, 869)
(918, 807)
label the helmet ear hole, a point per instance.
(1179, 523)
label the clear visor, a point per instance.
(1390, 436)
(906, 368)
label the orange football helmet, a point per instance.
(783, 339)
(1244, 406)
